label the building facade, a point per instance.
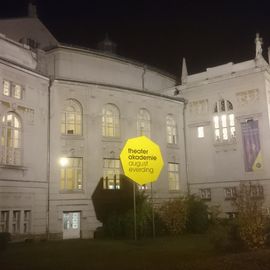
(66, 113)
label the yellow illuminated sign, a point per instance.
(141, 160)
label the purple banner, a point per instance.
(251, 144)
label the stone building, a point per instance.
(66, 113)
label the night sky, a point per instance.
(158, 33)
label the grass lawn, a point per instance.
(185, 252)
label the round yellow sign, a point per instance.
(141, 160)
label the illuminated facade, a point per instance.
(67, 112)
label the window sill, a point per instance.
(174, 191)
(172, 145)
(75, 191)
(13, 167)
(72, 137)
(111, 139)
(224, 143)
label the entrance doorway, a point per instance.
(71, 225)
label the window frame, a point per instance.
(74, 167)
(72, 120)
(171, 130)
(230, 193)
(11, 143)
(206, 194)
(224, 122)
(110, 168)
(12, 90)
(173, 176)
(143, 123)
(110, 121)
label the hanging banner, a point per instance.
(251, 145)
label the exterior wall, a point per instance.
(92, 147)
(218, 165)
(86, 66)
(21, 29)
(25, 187)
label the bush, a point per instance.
(197, 215)
(250, 219)
(119, 225)
(174, 215)
(4, 239)
(224, 235)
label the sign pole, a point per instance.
(134, 209)
(153, 213)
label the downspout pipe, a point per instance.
(48, 158)
(185, 145)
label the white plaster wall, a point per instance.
(93, 147)
(86, 66)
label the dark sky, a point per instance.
(158, 33)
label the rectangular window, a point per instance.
(200, 132)
(6, 88)
(11, 89)
(231, 120)
(216, 122)
(71, 174)
(230, 193)
(205, 193)
(256, 191)
(173, 176)
(225, 134)
(16, 221)
(224, 120)
(4, 220)
(144, 187)
(217, 134)
(111, 173)
(17, 92)
(26, 221)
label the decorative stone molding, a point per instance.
(247, 97)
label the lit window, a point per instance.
(12, 89)
(230, 193)
(110, 121)
(17, 92)
(144, 187)
(71, 123)
(224, 122)
(173, 176)
(4, 221)
(171, 130)
(143, 123)
(71, 174)
(11, 136)
(200, 132)
(111, 173)
(6, 88)
(205, 193)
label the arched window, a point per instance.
(110, 121)
(11, 139)
(224, 122)
(171, 130)
(143, 123)
(71, 123)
